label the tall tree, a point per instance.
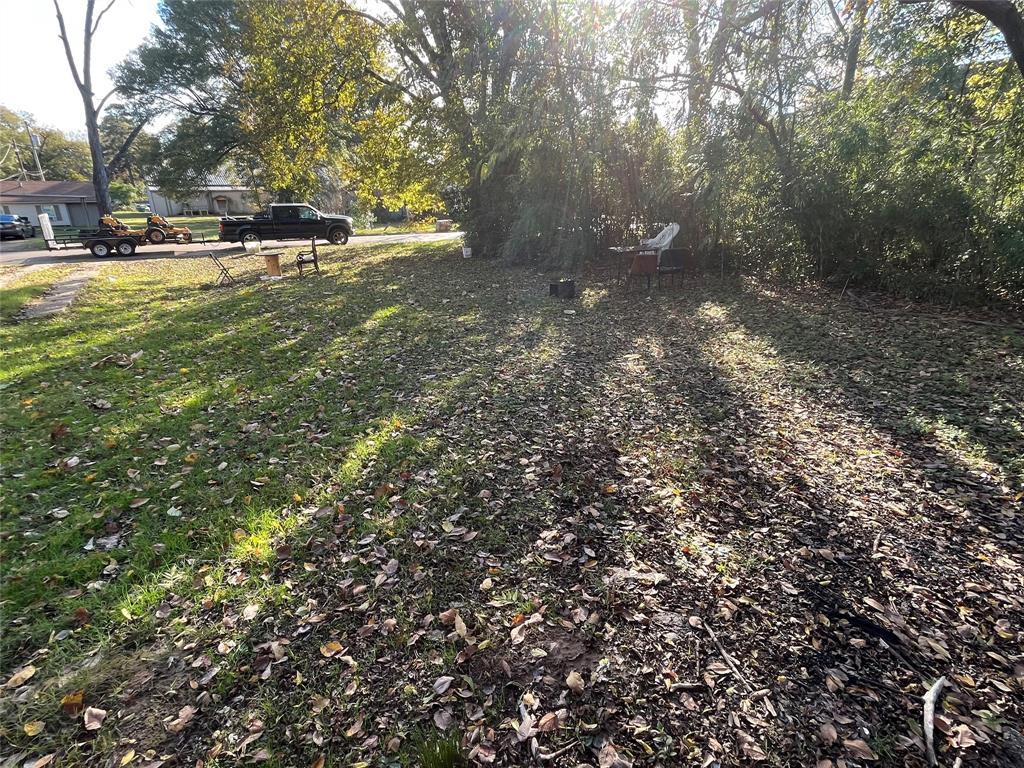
(471, 68)
(83, 81)
(275, 90)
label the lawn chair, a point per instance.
(224, 278)
(305, 258)
(654, 245)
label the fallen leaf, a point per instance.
(548, 723)
(34, 728)
(443, 719)
(859, 748)
(828, 733)
(442, 684)
(354, 729)
(20, 677)
(72, 703)
(575, 682)
(331, 648)
(93, 718)
(185, 715)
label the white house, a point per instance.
(218, 197)
(69, 203)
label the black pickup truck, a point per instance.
(286, 221)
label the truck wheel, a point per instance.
(338, 236)
(251, 237)
(156, 236)
(100, 249)
(126, 247)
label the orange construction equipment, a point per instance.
(158, 229)
(118, 227)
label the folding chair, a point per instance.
(305, 258)
(224, 278)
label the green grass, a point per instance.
(278, 445)
(400, 229)
(21, 289)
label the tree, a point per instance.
(275, 90)
(130, 161)
(61, 157)
(470, 70)
(1004, 14)
(83, 81)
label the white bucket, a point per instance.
(467, 252)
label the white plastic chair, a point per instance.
(661, 241)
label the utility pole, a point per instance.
(33, 141)
(21, 165)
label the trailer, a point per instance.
(109, 239)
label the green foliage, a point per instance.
(124, 194)
(62, 157)
(438, 752)
(279, 92)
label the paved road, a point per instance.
(197, 250)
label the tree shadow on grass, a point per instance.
(569, 448)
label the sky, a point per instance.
(34, 73)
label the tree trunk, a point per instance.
(100, 180)
(860, 13)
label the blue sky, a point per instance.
(34, 74)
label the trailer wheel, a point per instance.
(126, 247)
(251, 237)
(100, 248)
(338, 236)
(187, 238)
(156, 236)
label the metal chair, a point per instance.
(305, 258)
(224, 278)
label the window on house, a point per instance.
(53, 211)
(7, 209)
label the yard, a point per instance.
(414, 507)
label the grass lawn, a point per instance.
(399, 229)
(414, 506)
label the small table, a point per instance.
(273, 259)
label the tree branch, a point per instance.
(122, 153)
(67, 47)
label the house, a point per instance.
(69, 203)
(219, 196)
